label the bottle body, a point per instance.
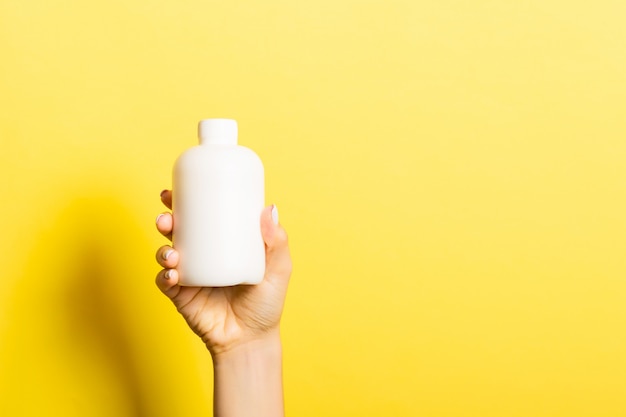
(217, 199)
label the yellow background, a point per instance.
(451, 174)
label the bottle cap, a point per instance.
(217, 132)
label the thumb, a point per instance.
(277, 256)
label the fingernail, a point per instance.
(274, 214)
(167, 254)
(163, 192)
(158, 217)
(168, 274)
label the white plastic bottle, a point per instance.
(218, 196)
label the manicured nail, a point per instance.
(167, 254)
(274, 214)
(163, 192)
(168, 274)
(158, 217)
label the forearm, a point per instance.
(248, 379)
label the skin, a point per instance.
(239, 325)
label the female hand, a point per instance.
(228, 317)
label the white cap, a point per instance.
(217, 132)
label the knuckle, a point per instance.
(282, 237)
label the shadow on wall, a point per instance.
(70, 345)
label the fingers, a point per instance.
(165, 224)
(167, 282)
(166, 198)
(277, 256)
(167, 257)
(165, 221)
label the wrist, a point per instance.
(262, 347)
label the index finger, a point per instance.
(166, 198)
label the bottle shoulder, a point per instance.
(218, 154)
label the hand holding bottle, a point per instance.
(228, 317)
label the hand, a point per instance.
(228, 317)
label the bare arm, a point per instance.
(248, 380)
